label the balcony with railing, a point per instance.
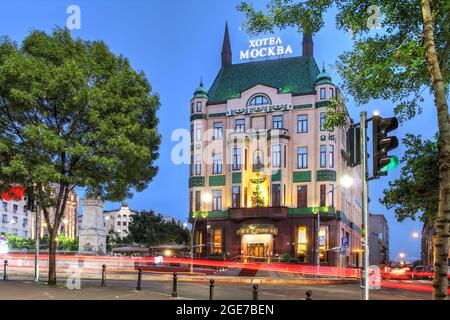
(258, 212)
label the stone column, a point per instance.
(92, 236)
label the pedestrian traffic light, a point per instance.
(353, 146)
(382, 144)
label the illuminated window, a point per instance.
(276, 195)
(331, 196)
(198, 241)
(236, 197)
(302, 124)
(258, 100)
(217, 200)
(302, 244)
(198, 200)
(323, 243)
(217, 241)
(258, 160)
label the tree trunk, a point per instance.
(442, 226)
(52, 259)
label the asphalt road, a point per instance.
(233, 291)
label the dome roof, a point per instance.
(201, 91)
(323, 77)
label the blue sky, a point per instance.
(177, 42)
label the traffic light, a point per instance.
(382, 144)
(353, 146)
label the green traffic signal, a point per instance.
(394, 163)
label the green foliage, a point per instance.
(383, 64)
(336, 115)
(416, 191)
(67, 244)
(74, 114)
(15, 242)
(148, 228)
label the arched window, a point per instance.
(118, 216)
(258, 160)
(258, 100)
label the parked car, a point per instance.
(422, 272)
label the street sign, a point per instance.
(342, 250)
(345, 243)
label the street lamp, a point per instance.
(415, 235)
(206, 198)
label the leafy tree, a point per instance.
(410, 55)
(16, 242)
(67, 244)
(73, 114)
(416, 191)
(150, 229)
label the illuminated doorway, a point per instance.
(256, 247)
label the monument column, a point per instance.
(92, 237)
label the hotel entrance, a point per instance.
(256, 247)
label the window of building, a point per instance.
(323, 156)
(331, 155)
(239, 125)
(331, 196)
(5, 206)
(302, 197)
(323, 195)
(216, 241)
(237, 159)
(15, 208)
(217, 164)
(218, 130)
(276, 195)
(5, 218)
(236, 197)
(25, 222)
(118, 223)
(198, 132)
(191, 202)
(323, 243)
(323, 118)
(257, 100)
(124, 223)
(192, 107)
(302, 243)
(302, 123)
(191, 167)
(277, 122)
(331, 92)
(323, 94)
(198, 204)
(217, 200)
(302, 158)
(198, 164)
(199, 106)
(276, 156)
(258, 160)
(192, 133)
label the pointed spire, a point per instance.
(307, 45)
(323, 67)
(201, 81)
(226, 48)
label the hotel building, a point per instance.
(264, 169)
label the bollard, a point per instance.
(308, 295)
(211, 289)
(5, 270)
(174, 290)
(103, 275)
(255, 292)
(139, 286)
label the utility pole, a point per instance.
(37, 228)
(365, 206)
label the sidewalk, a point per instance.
(28, 290)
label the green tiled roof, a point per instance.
(289, 75)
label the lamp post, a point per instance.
(206, 198)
